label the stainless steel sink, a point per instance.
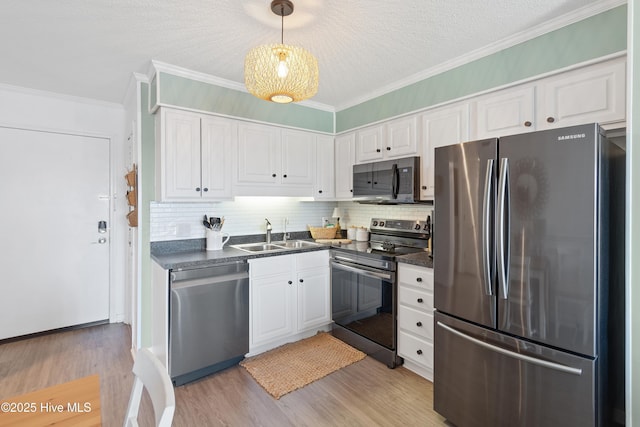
(259, 247)
(296, 244)
(262, 247)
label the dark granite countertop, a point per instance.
(421, 259)
(176, 255)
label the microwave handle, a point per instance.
(396, 181)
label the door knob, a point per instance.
(102, 226)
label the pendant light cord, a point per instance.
(282, 24)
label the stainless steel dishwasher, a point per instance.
(208, 320)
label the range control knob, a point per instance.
(381, 223)
(417, 227)
(375, 223)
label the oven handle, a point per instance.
(365, 271)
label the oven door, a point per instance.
(363, 301)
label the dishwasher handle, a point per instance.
(181, 284)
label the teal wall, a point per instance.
(187, 93)
(147, 187)
(591, 38)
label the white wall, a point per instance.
(35, 110)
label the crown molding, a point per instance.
(521, 37)
(158, 66)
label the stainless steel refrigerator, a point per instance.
(528, 279)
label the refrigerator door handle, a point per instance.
(487, 254)
(502, 238)
(509, 353)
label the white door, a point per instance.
(55, 262)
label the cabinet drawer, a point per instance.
(415, 349)
(416, 276)
(280, 264)
(416, 298)
(312, 260)
(416, 322)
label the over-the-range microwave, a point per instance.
(389, 181)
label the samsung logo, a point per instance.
(574, 136)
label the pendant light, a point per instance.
(278, 72)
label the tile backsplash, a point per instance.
(179, 221)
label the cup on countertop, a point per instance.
(216, 239)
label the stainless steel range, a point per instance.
(363, 282)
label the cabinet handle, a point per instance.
(198, 189)
(290, 282)
(377, 150)
(424, 187)
(273, 175)
(205, 189)
(527, 124)
(418, 279)
(320, 191)
(419, 324)
(550, 120)
(301, 281)
(388, 148)
(284, 176)
(420, 300)
(419, 352)
(351, 190)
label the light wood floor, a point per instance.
(366, 393)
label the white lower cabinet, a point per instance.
(415, 318)
(289, 298)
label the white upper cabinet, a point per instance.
(216, 136)
(402, 137)
(325, 168)
(194, 156)
(394, 139)
(369, 144)
(443, 126)
(298, 157)
(345, 158)
(275, 162)
(593, 94)
(259, 156)
(505, 112)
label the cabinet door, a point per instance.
(180, 156)
(402, 139)
(505, 112)
(369, 144)
(216, 142)
(344, 161)
(314, 298)
(272, 308)
(258, 154)
(325, 168)
(444, 126)
(596, 94)
(298, 157)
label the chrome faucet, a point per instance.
(268, 230)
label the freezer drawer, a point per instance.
(483, 378)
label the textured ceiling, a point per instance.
(90, 48)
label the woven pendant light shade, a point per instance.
(281, 73)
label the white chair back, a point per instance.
(152, 375)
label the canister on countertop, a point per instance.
(362, 234)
